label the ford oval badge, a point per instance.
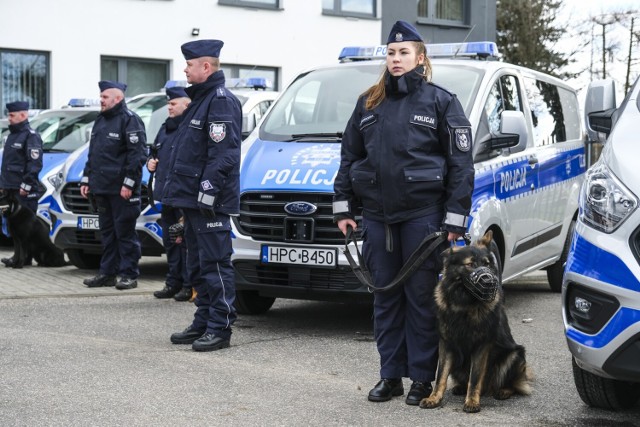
(300, 208)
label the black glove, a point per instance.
(176, 231)
(208, 213)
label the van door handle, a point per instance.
(533, 160)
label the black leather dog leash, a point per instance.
(417, 258)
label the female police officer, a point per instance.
(406, 159)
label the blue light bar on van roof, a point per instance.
(83, 102)
(175, 83)
(436, 50)
(249, 82)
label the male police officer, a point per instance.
(21, 161)
(112, 178)
(204, 182)
(177, 283)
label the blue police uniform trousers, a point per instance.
(121, 247)
(405, 323)
(176, 253)
(210, 271)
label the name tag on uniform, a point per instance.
(196, 123)
(423, 120)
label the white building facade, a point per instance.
(54, 50)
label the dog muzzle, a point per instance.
(483, 283)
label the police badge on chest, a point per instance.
(217, 131)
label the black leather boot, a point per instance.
(386, 389)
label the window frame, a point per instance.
(432, 20)
(47, 79)
(337, 11)
(252, 4)
(122, 69)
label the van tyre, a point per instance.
(604, 393)
(556, 271)
(83, 260)
(251, 302)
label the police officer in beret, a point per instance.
(177, 283)
(111, 180)
(21, 162)
(204, 182)
(406, 159)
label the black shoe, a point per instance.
(166, 292)
(100, 280)
(126, 283)
(188, 336)
(9, 262)
(183, 295)
(386, 389)
(210, 342)
(418, 391)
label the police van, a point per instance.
(529, 155)
(601, 291)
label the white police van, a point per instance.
(601, 290)
(529, 156)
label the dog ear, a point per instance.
(486, 239)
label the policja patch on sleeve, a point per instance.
(35, 154)
(217, 131)
(463, 138)
(133, 137)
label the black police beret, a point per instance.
(176, 92)
(200, 48)
(12, 107)
(109, 84)
(402, 31)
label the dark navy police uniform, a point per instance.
(116, 156)
(22, 161)
(203, 179)
(176, 253)
(408, 164)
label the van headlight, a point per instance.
(605, 203)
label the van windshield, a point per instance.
(318, 104)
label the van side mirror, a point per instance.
(248, 124)
(513, 133)
(599, 107)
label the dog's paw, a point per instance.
(459, 390)
(429, 403)
(471, 407)
(504, 393)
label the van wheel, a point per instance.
(84, 260)
(604, 393)
(556, 270)
(251, 302)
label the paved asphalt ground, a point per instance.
(73, 356)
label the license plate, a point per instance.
(299, 256)
(88, 223)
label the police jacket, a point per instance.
(116, 152)
(22, 159)
(161, 150)
(204, 168)
(408, 157)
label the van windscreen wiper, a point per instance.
(335, 136)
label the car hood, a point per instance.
(290, 166)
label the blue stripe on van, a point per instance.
(624, 318)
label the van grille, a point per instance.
(298, 277)
(73, 201)
(262, 216)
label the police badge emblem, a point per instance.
(463, 142)
(133, 138)
(35, 154)
(217, 131)
(398, 37)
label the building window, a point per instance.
(140, 75)
(261, 4)
(443, 12)
(355, 8)
(25, 77)
(235, 71)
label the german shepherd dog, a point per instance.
(30, 235)
(476, 346)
